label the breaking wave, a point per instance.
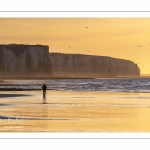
(139, 85)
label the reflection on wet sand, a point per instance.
(13, 95)
(44, 100)
(67, 111)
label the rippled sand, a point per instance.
(67, 111)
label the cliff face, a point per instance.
(24, 60)
(76, 65)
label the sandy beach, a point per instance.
(72, 111)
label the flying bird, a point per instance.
(86, 27)
(69, 46)
(139, 45)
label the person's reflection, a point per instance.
(44, 115)
(44, 100)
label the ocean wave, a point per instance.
(138, 85)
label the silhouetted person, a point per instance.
(44, 90)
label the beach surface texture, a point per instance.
(75, 109)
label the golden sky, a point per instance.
(114, 37)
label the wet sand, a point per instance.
(68, 111)
(13, 95)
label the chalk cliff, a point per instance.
(35, 60)
(77, 65)
(21, 59)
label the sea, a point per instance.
(133, 85)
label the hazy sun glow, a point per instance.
(114, 37)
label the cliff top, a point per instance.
(13, 44)
(56, 53)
